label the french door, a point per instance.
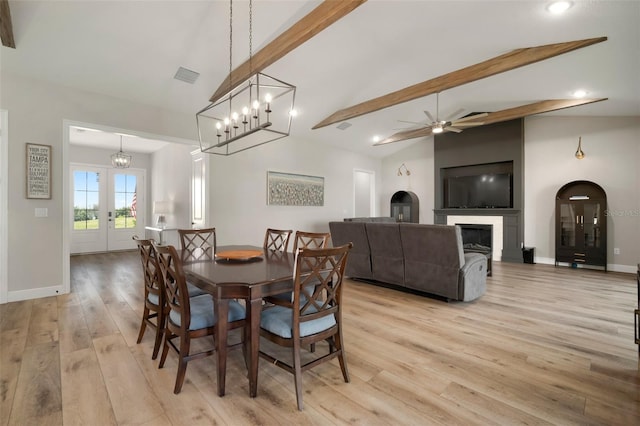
(108, 208)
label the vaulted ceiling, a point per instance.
(132, 49)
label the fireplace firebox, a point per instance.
(477, 238)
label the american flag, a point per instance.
(134, 203)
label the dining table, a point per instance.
(247, 273)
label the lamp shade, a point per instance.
(162, 207)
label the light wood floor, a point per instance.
(544, 345)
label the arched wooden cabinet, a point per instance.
(581, 225)
(405, 207)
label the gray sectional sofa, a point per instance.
(427, 258)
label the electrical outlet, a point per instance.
(616, 250)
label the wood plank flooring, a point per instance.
(543, 346)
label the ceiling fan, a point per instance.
(522, 111)
(453, 123)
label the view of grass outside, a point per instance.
(121, 223)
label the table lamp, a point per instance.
(161, 208)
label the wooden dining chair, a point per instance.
(198, 244)
(305, 239)
(314, 315)
(188, 317)
(277, 239)
(302, 239)
(153, 313)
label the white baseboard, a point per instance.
(35, 293)
(613, 267)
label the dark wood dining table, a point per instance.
(249, 279)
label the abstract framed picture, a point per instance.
(287, 189)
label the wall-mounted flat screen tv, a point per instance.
(478, 186)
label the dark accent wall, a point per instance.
(480, 145)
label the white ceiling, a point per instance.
(132, 49)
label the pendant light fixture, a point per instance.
(579, 152)
(120, 160)
(256, 112)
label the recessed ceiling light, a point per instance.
(376, 138)
(558, 7)
(580, 93)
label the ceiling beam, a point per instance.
(6, 29)
(498, 116)
(328, 12)
(506, 62)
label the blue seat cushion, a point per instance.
(153, 298)
(278, 320)
(193, 290)
(203, 315)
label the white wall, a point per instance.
(611, 160)
(238, 188)
(418, 157)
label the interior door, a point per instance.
(363, 193)
(108, 208)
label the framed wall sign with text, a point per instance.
(38, 171)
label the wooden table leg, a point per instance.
(253, 320)
(222, 326)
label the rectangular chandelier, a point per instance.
(257, 112)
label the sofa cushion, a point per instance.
(433, 258)
(359, 263)
(387, 262)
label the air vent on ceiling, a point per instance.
(186, 75)
(344, 125)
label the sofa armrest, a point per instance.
(473, 277)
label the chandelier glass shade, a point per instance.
(120, 160)
(254, 113)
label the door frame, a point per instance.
(66, 193)
(4, 206)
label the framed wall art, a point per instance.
(287, 189)
(38, 171)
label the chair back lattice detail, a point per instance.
(198, 244)
(318, 282)
(277, 239)
(312, 240)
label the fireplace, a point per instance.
(478, 238)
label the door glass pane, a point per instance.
(567, 225)
(86, 200)
(125, 200)
(592, 225)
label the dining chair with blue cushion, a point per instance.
(153, 313)
(313, 315)
(189, 317)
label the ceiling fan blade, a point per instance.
(470, 124)
(452, 129)
(455, 114)
(499, 64)
(413, 122)
(469, 117)
(535, 108)
(430, 117)
(407, 134)
(6, 28)
(318, 19)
